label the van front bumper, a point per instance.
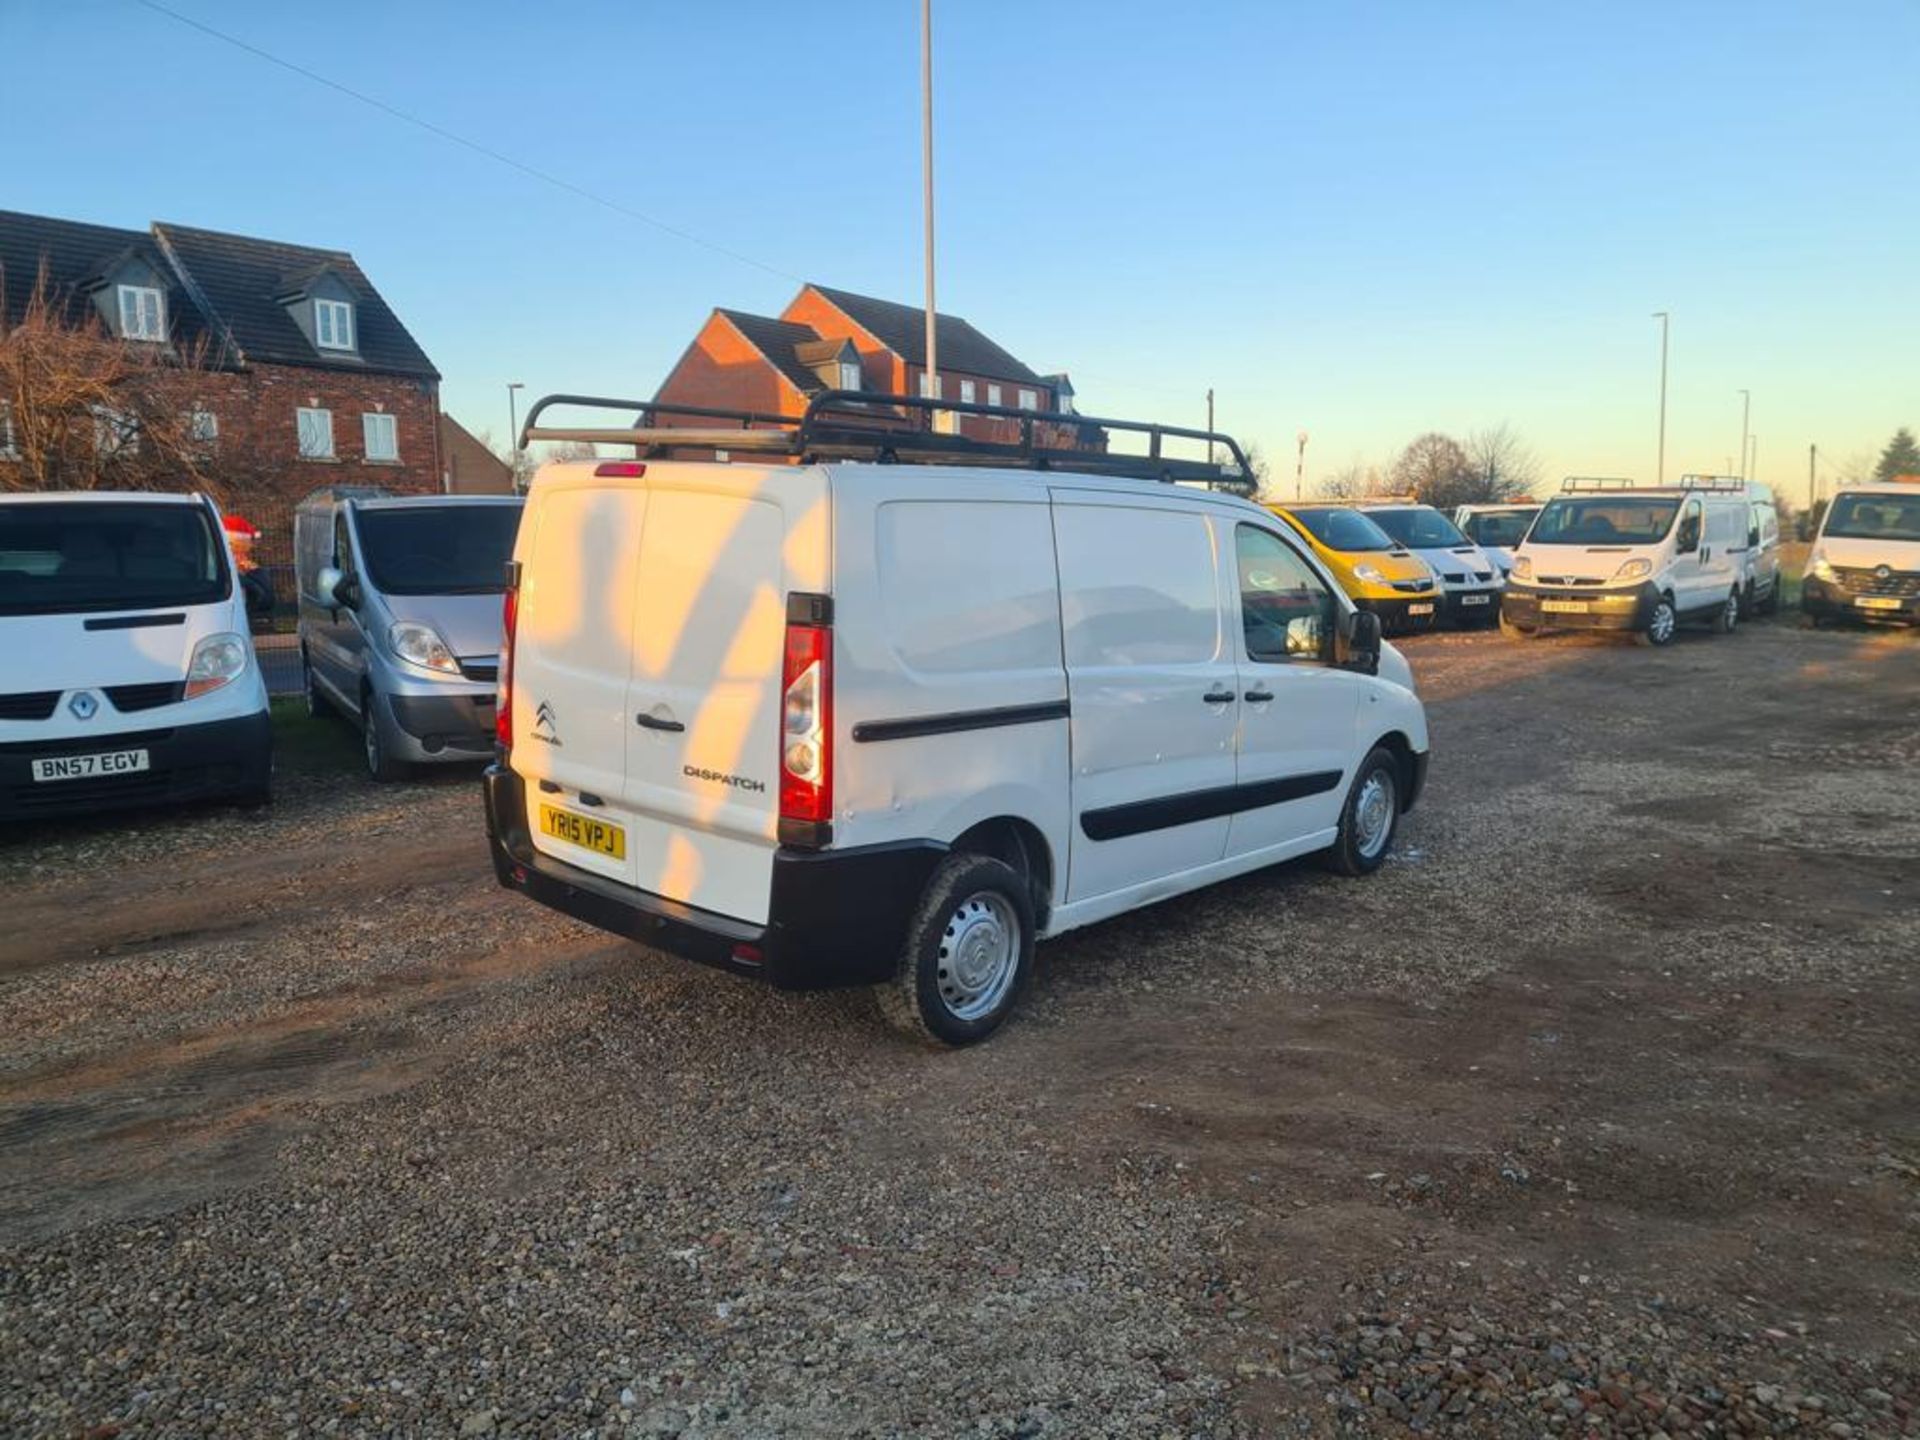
(1833, 602)
(836, 917)
(1397, 617)
(1612, 608)
(213, 760)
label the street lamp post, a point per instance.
(1746, 410)
(1660, 465)
(513, 430)
(926, 181)
(1300, 467)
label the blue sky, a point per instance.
(1362, 220)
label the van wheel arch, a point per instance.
(1020, 844)
(1397, 745)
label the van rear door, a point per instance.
(676, 583)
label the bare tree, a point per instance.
(1503, 464)
(1351, 481)
(1258, 470)
(1435, 469)
(87, 410)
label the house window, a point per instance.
(967, 391)
(849, 375)
(993, 394)
(333, 324)
(1064, 404)
(932, 387)
(382, 434)
(142, 315)
(203, 426)
(1029, 400)
(316, 433)
(115, 433)
(7, 452)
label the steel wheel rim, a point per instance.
(1373, 814)
(1661, 626)
(978, 955)
(1733, 611)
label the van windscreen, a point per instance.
(1344, 530)
(438, 549)
(63, 558)
(1603, 520)
(1500, 527)
(1867, 515)
(1418, 529)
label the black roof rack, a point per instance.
(898, 430)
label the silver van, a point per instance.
(400, 618)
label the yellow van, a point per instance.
(1377, 571)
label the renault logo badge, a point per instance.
(83, 705)
(1885, 572)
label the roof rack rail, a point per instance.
(1713, 482)
(1599, 482)
(898, 430)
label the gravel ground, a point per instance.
(1594, 1113)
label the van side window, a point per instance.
(1753, 525)
(342, 546)
(1287, 612)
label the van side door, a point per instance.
(332, 650)
(1152, 685)
(1298, 708)
(1690, 582)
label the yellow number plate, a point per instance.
(1875, 602)
(579, 830)
(1565, 607)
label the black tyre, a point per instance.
(1370, 816)
(381, 763)
(1515, 631)
(1727, 618)
(1662, 625)
(318, 706)
(968, 953)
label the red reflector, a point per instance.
(629, 469)
(748, 954)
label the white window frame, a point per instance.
(203, 426)
(967, 391)
(373, 422)
(116, 434)
(1029, 399)
(993, 395)
(850, 375)
(7, 452)
(932, 387)
(333, 324)
(1063, 403)
(300, 431)
(143, 312)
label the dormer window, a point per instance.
(849, 375)
(333, 324)
(143, 314)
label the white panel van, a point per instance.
(1865, 562)
(1643, 559)
(889, 724)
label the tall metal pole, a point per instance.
(1210, 424)
(1752, 466)
(513, 430)
(926, 167)
(1660, 466)
(1300, 468)
(1746, 409)
(1811, 451)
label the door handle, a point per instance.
(1218, 697)
(654, 722)
(1258, 697)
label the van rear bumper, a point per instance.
(837, 917)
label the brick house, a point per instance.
(309, 377)
(829, 339)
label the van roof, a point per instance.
(436, 502)
(1876, 487)
(104, 497)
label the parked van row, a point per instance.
(1400, 560)
(1609, 554)
(891, 723)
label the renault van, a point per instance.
(1608, 554)
(400, 619)
(1865, 562)
(891, 723)
(126, 674)
(1378, 573)
(1761, 582)
(1497, 529)
(1469, 583)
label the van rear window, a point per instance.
(438, 549)
(60, 558)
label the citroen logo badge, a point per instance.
(83, 705)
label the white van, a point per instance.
(835, 723)
(1497, 529)
(126, 674)
(1469, 581)
(1865, 562)
(1608, 554)
(1760, 561)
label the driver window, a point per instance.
(1688, 536)
(342, 547)
(1287, 611)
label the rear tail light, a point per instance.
(503, 695)
(621, 469)
(806, 724)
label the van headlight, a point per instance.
(217, 660)
(1371, 574)
(420, 645)
(1523, 567)
(1633, 570)
(1821, 568)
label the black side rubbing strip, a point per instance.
(134, 622)
(953, 721)
(1137, 817)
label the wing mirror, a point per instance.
(1359, 647)
(338, 588)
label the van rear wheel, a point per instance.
(968, 953)
(1370, 816)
